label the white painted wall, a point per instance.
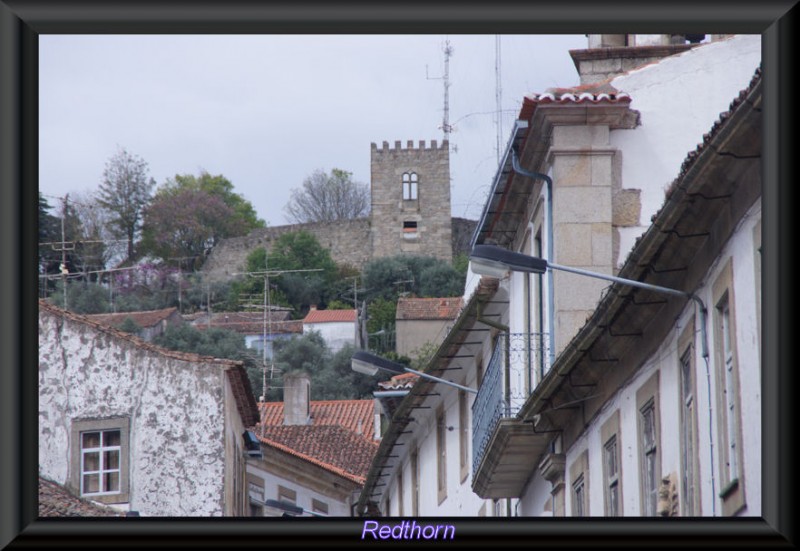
(679, 99)
(175, 409)
(742, 249)
(335, 334)
(460, 500)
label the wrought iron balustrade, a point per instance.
(518, 362)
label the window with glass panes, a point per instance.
(649, 458)
(100, 462)
(611, 457)
(579, 497)
(688, 420)
(410, 186)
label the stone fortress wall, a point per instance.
(356, 242)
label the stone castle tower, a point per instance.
(410, 215)
(411, 200)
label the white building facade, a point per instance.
(598, 398)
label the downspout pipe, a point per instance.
(550, 291)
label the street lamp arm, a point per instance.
(615, 279)
(438, 380)
(369, 364)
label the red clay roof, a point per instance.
(330, 316)
(147, 318)
(399, 382)
(334, 448)
(254, 328)
(56, 501)
(574, 96)
(353, 415)
(428, 308)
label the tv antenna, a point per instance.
(266, 274)
(448, 51)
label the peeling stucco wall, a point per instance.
(175, 408)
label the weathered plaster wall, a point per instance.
(175, 409)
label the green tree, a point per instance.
(83, 297)
(243, 212)
(422, 276)
(219, 343)
(124, 193)
(328, 197)
(130, 326)
(49, 232)
(294, 251)
(381, 314)
(331, 375)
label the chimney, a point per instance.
(296, 399)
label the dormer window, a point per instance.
(409, 186)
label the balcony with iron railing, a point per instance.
(519, 361)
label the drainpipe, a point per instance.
(550, 292)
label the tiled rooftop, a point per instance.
(428, 308)
(334, 448)
(330, 316)
(399, 382)
(147, 318)
(56, 501)
(353, 415)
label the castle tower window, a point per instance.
(410, 186)
(410, 229)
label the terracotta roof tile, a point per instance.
(254, 328)
(567, 96)
(353, 415)
(332, 447)
(428, 308)
(330, 316)
(56, 501)
(399, 382)
(147, 318)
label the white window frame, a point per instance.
(410, 186)
(81, 427)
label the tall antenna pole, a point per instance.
(498, 94)
(64, 251)
(448, 51)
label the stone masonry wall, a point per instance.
(430, 211)
(348, 240)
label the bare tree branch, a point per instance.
(328, 197)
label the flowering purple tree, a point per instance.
(186, 224)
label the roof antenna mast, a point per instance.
(448, 51)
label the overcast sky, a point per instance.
(266, 111)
